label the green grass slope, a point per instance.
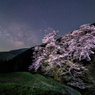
(24, 83)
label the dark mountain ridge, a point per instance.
(10, 54)
(20, 62)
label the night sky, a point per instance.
(23, 23)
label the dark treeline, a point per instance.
(19, 63)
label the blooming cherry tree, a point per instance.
(57, 57)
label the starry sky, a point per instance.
(23, 23)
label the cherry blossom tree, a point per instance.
(57, 57)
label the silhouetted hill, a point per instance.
(20, 62)
(10, 54)
(16, 52)
(6, 55)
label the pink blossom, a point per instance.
(78, 44)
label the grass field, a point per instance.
(24, 83)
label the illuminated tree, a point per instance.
(57, 57)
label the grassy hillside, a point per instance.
(24, 83)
